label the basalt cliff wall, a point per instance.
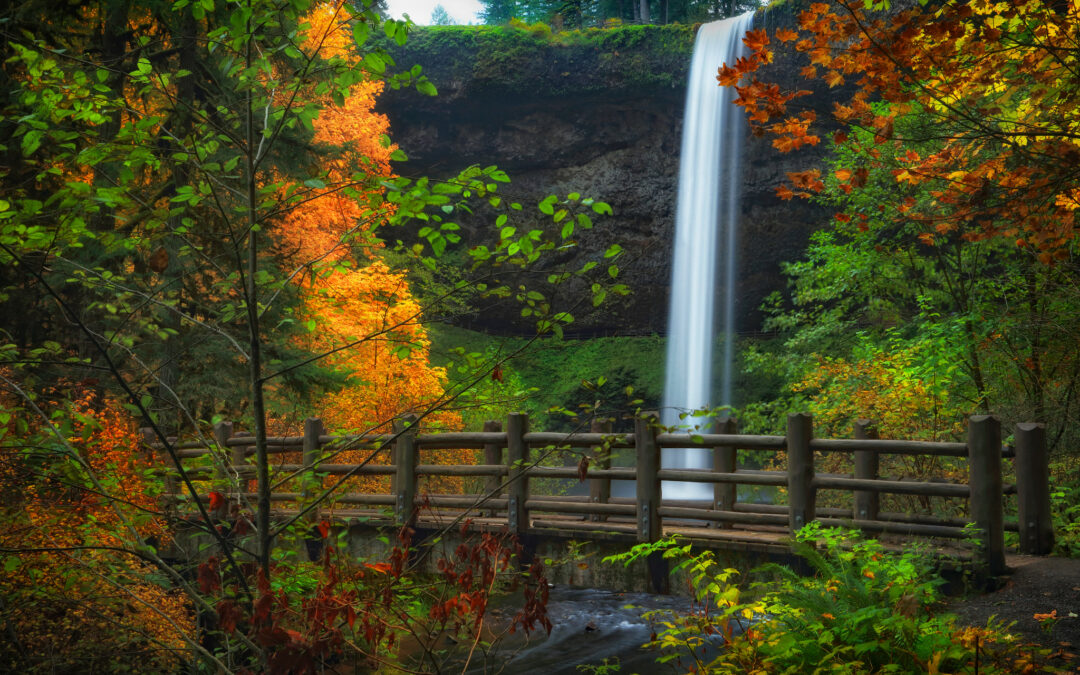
(599, 113)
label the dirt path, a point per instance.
(1037, 586)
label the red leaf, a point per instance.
(582, 468)
(497, 374)
(324, 529)
(208, 577)
(229, 615)
(217, 500)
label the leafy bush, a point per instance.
(863, 610)
(1065, 508)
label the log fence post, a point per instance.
(987, 511)
(600, 488)
(313, 429)
(725, 461)
(867, 466)
(648, 477)
(405, 452)
(1033, 489)
(492, 455)
(517, 461)
(802, 495)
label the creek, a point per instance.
(589, 626)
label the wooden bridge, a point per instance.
(513, 462)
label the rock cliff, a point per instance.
(598, 113)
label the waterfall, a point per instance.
(704, 266)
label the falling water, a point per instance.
(705, 243)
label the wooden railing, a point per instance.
(510, 463)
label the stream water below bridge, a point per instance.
(589, 626)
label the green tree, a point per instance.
(440, 17)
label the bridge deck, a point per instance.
(773, 540)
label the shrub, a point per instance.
(863, 610)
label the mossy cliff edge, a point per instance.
(496, 61)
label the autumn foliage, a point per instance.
(885, 388)
(357, 309)
(75, 597)
(997, 82)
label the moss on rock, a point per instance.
(522, 59)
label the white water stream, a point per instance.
(704, 268)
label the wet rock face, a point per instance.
(603, 134)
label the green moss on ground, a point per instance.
(564, 373)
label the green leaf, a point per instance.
(426, 88)
(547, 206)
(31, 141)
(376, 64)
(361, 32)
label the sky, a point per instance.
(463, 11)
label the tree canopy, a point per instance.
(953, 129)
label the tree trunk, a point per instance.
(258, 410)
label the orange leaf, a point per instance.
(786, 35)
(727, 76)
(756, 40)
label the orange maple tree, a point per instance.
(358, 309)
(998, 82)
